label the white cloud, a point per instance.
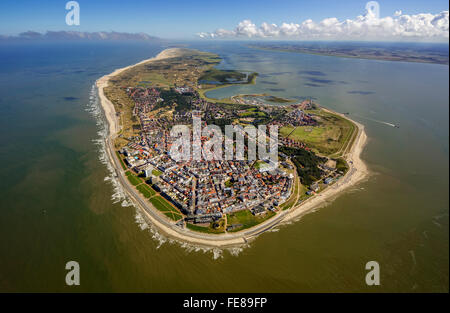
(424, 26)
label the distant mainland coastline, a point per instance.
(433, 53)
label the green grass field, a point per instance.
(173, 216)
(146, 190)
(253, 114)
(222, 76)
(158, 202)
(247, 219)
(203, 229)
(166, 208)
(197, 228)
(134, 180)
(161, 204)
(329, 138)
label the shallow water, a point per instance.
(57, 206)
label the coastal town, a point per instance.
(202, 190)
(218, 196)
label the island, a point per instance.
(403, 52)
(221, 203)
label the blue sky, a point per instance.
(183, 19)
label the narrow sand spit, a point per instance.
(357, 172)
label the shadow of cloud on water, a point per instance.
(313, 85)
(360, 92)
(268, 82)
(71, 98)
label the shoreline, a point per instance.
(357, 172)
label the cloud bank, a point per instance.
(424, 26)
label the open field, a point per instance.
(166, 208)
(209, 229)
(134, 180)
(247, 219)
(329, 138)
(253, 114)
(172, 215)
(216, 76)
(146, 190)
(158, 201)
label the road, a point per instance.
(227, 239)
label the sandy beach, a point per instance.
(356, 173)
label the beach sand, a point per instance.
(356, 173)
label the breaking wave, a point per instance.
(96, 111)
